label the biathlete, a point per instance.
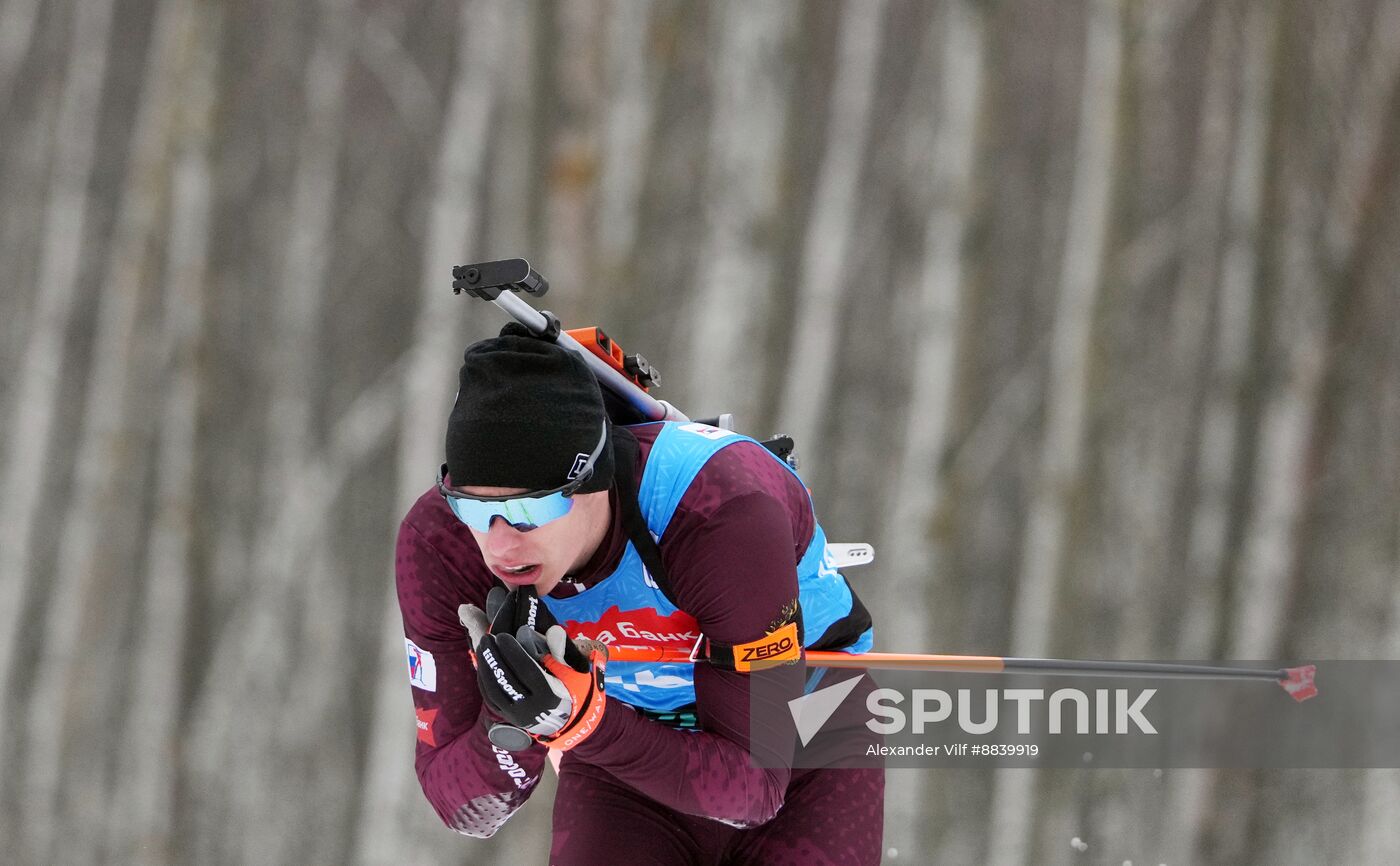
(553, 532)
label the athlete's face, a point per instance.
(543, 555)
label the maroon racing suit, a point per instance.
(640, 791)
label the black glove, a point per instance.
(509, 611)
(543, 684)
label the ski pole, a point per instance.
(1299, 682)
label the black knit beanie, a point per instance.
(528, 414)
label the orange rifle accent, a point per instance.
(634, 368)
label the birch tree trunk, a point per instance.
(1158, 71)
(1270, 545)
(911, 555)
(37, 387)
(1318, 250)
(141, 822)
(24, 175)
(16, 35)
(1150, 471)
(1157, 485)
(826, 241)
(392, 810)
(1187, 790)
(294, 574)
(82, 627)
(1380, 839)
(572, 180)
(633, 84)
(1380, 836)
(1067, 395)
(513, 159)
(252, 666)
(1239, 273)
(745, 148)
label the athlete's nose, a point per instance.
(502, 539)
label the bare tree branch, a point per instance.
(398, 71)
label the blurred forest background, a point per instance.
(1084, 313)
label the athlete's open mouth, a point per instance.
(518, 574)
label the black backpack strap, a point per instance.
(625, 453)
(846, 630)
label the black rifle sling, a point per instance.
(625, 453)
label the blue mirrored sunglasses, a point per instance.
(524, 512)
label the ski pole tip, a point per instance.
(1299, 682)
